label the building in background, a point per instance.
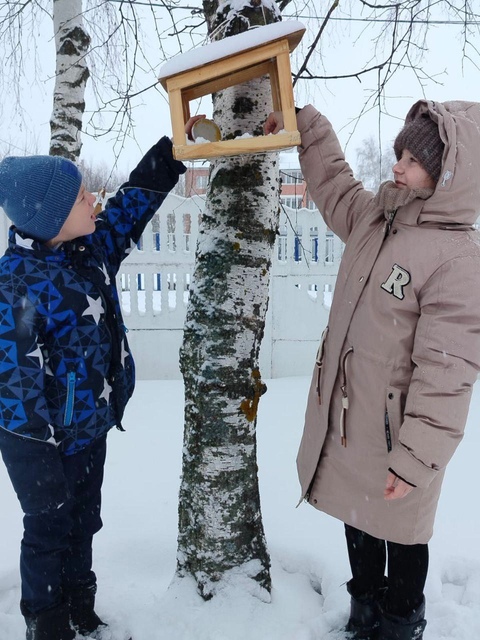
(294, 193)
(196, 178)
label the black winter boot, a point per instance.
(52, 624)
(364, 620)
(408, 628)
(82, 614)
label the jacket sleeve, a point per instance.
(446, 356)
(23, 408)
(127, 213)
(340, 198)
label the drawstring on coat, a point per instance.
(343, 430)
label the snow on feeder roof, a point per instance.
(252, 54)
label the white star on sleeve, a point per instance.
(107, 389)
(95, 309)
(37, 353)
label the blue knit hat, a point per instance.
(38, 192)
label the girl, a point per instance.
(394, 374)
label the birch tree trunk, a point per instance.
(71, 75)
(221, 533)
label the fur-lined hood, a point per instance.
(456, 199)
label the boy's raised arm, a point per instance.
(127, 213)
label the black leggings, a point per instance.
(407, 569)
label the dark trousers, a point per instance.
(407, 570)
(61, 499)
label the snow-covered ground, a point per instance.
(135, 551)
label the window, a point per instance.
(310, 203)
(291, 176)
(201, 182)
(293, 202)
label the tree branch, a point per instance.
(315, 42)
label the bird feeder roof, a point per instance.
(293, 30)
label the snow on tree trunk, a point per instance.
(71, 43)
(221, 535)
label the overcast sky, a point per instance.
(346, 47)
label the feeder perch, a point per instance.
(226, 63)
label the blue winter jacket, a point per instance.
(66, 371)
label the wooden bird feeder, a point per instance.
(226, 63)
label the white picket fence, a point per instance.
(155, 279)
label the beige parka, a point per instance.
(402, 349)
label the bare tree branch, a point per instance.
(129, 38)
(315, 42)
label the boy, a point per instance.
(66, 371)
(393, 379)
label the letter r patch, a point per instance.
(395, 282)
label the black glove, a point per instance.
(157, 170)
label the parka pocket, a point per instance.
(70, 401)
(394, 406)
(319, 363)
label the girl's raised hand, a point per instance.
(274, 123)
(190, 123)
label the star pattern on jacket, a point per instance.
(66, 371)
(95, 309)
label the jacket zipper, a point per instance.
(388, 226)
(71, 379)
(388, 433)
(343, 431)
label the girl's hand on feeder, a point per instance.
(274, 123)
(396, 487)
(190, 123)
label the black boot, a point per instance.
(408, 628)
(82, 610)
(52, 624)
(364, 620)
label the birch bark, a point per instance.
(221, 535)
(71, 75)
